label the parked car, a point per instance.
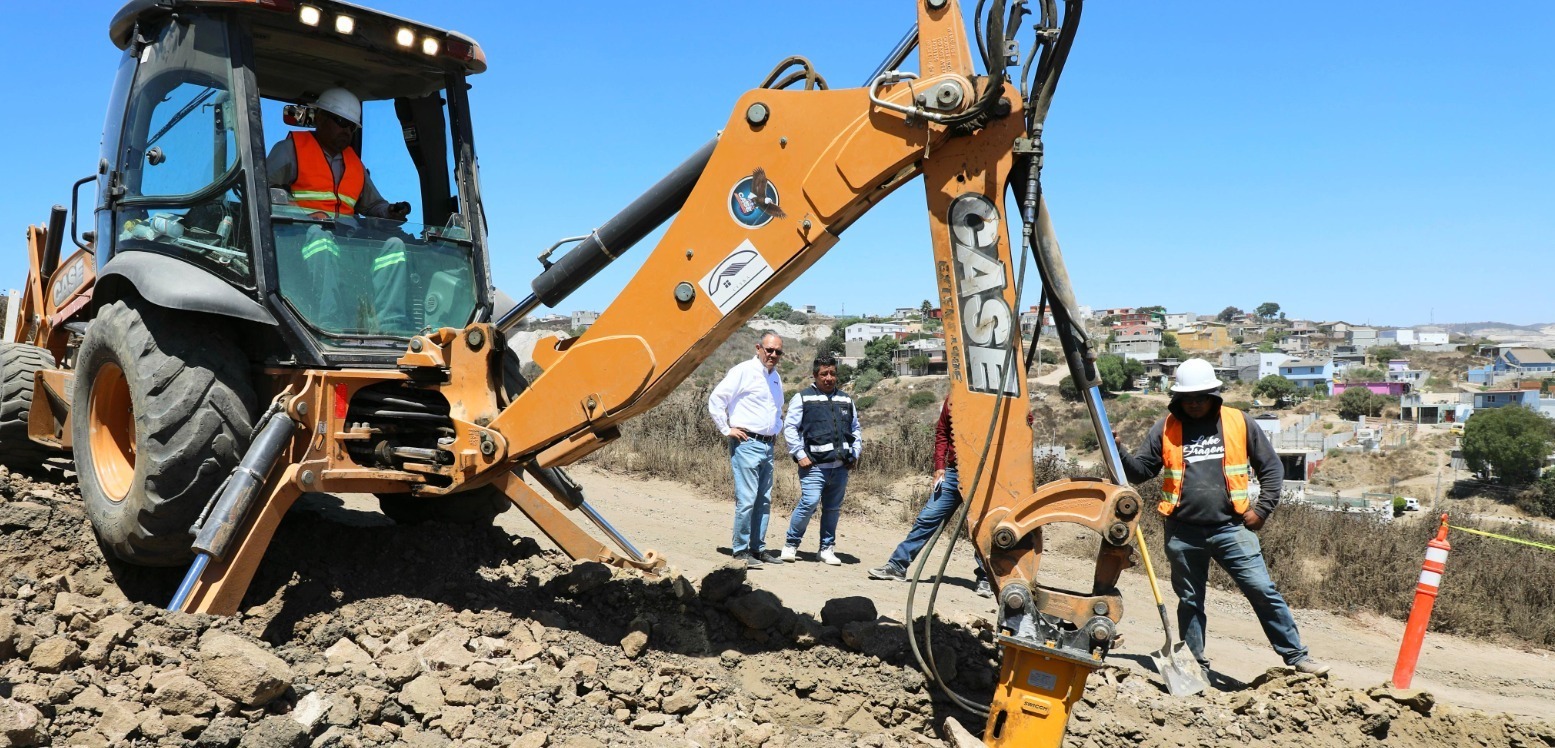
(1456, 429)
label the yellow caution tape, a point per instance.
(1545, 546)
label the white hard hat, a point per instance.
(341, 102)
(1196, 375)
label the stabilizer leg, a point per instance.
(565, 533)
(220, 588)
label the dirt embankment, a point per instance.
(432, 636)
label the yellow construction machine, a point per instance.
(236, 329)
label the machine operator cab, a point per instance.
(315, 156)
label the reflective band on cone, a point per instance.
(1420, 613)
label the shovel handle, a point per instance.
(1139, 536)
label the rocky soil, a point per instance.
(436, 636)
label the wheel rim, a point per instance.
(112, 432)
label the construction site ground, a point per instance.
(363, 633)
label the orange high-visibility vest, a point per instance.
(1233, 429)
(315, 187)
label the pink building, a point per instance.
(1393, 389)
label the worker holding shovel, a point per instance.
(1208, 452)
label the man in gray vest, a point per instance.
(823, 436)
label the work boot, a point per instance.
(830, 557)
(769, 557)
(746, 557)
(790, 553)
(984, 589)
(888, 572)
(1310, 666)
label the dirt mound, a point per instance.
(358, 632)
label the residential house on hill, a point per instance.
(1526, 361)
(1141, 342)
(1203, 337)
(1434, 407)
(906, 313)
(1178, 320)
(931, 351)
(584, 319)
(1309, 372)
(1251, 366)
(867, 331)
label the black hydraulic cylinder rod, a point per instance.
(216, 530)
(52, 242)
(625, 229)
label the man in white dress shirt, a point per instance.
(747, 408)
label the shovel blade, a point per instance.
(1179, 669)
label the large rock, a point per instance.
(54, 654)
(584, 576)
(446, 650)
(275, 731)
(842, 611)
(20, 724)
(23, 515)
(182, 694)
(423, 695)
(241, 670)
(345, 654)
(119, 720)
(758, 610)
(723, 581)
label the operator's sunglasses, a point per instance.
(1196, 398)
(339, 120)
(771, 351)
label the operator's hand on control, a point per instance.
(1119, 442)
(738, 433)
(1252, 520)
(805, 462)
(398, 211)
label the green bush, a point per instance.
(1510, 442)
(921, 399)
(865, 379)
(865, 402)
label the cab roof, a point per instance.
(377, 55)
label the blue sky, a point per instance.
(1385, 162)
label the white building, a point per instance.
(907, 312)
(584, 319)
(1396, 337)
(1179, 320)
(867, 331)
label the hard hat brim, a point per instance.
(1211, 386)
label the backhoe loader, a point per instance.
(203, 373)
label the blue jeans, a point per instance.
(1236, 549)
(818, 486)
(751, 461)
(939, 509)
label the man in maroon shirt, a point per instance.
(940, 508)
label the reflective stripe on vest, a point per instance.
(1233, 431)
(315, 187)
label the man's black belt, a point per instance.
(763, 438)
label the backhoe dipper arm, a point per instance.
(828, 156)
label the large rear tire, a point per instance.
(18, 363)
(163, 411)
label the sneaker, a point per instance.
(888, 572)
(790, 553)
(830, 557)
(1310, 666)
(984, 589)
(769, 557)
(750, 560)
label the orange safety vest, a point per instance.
(1233, 429)
(315, 187)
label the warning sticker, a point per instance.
(736, 277)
